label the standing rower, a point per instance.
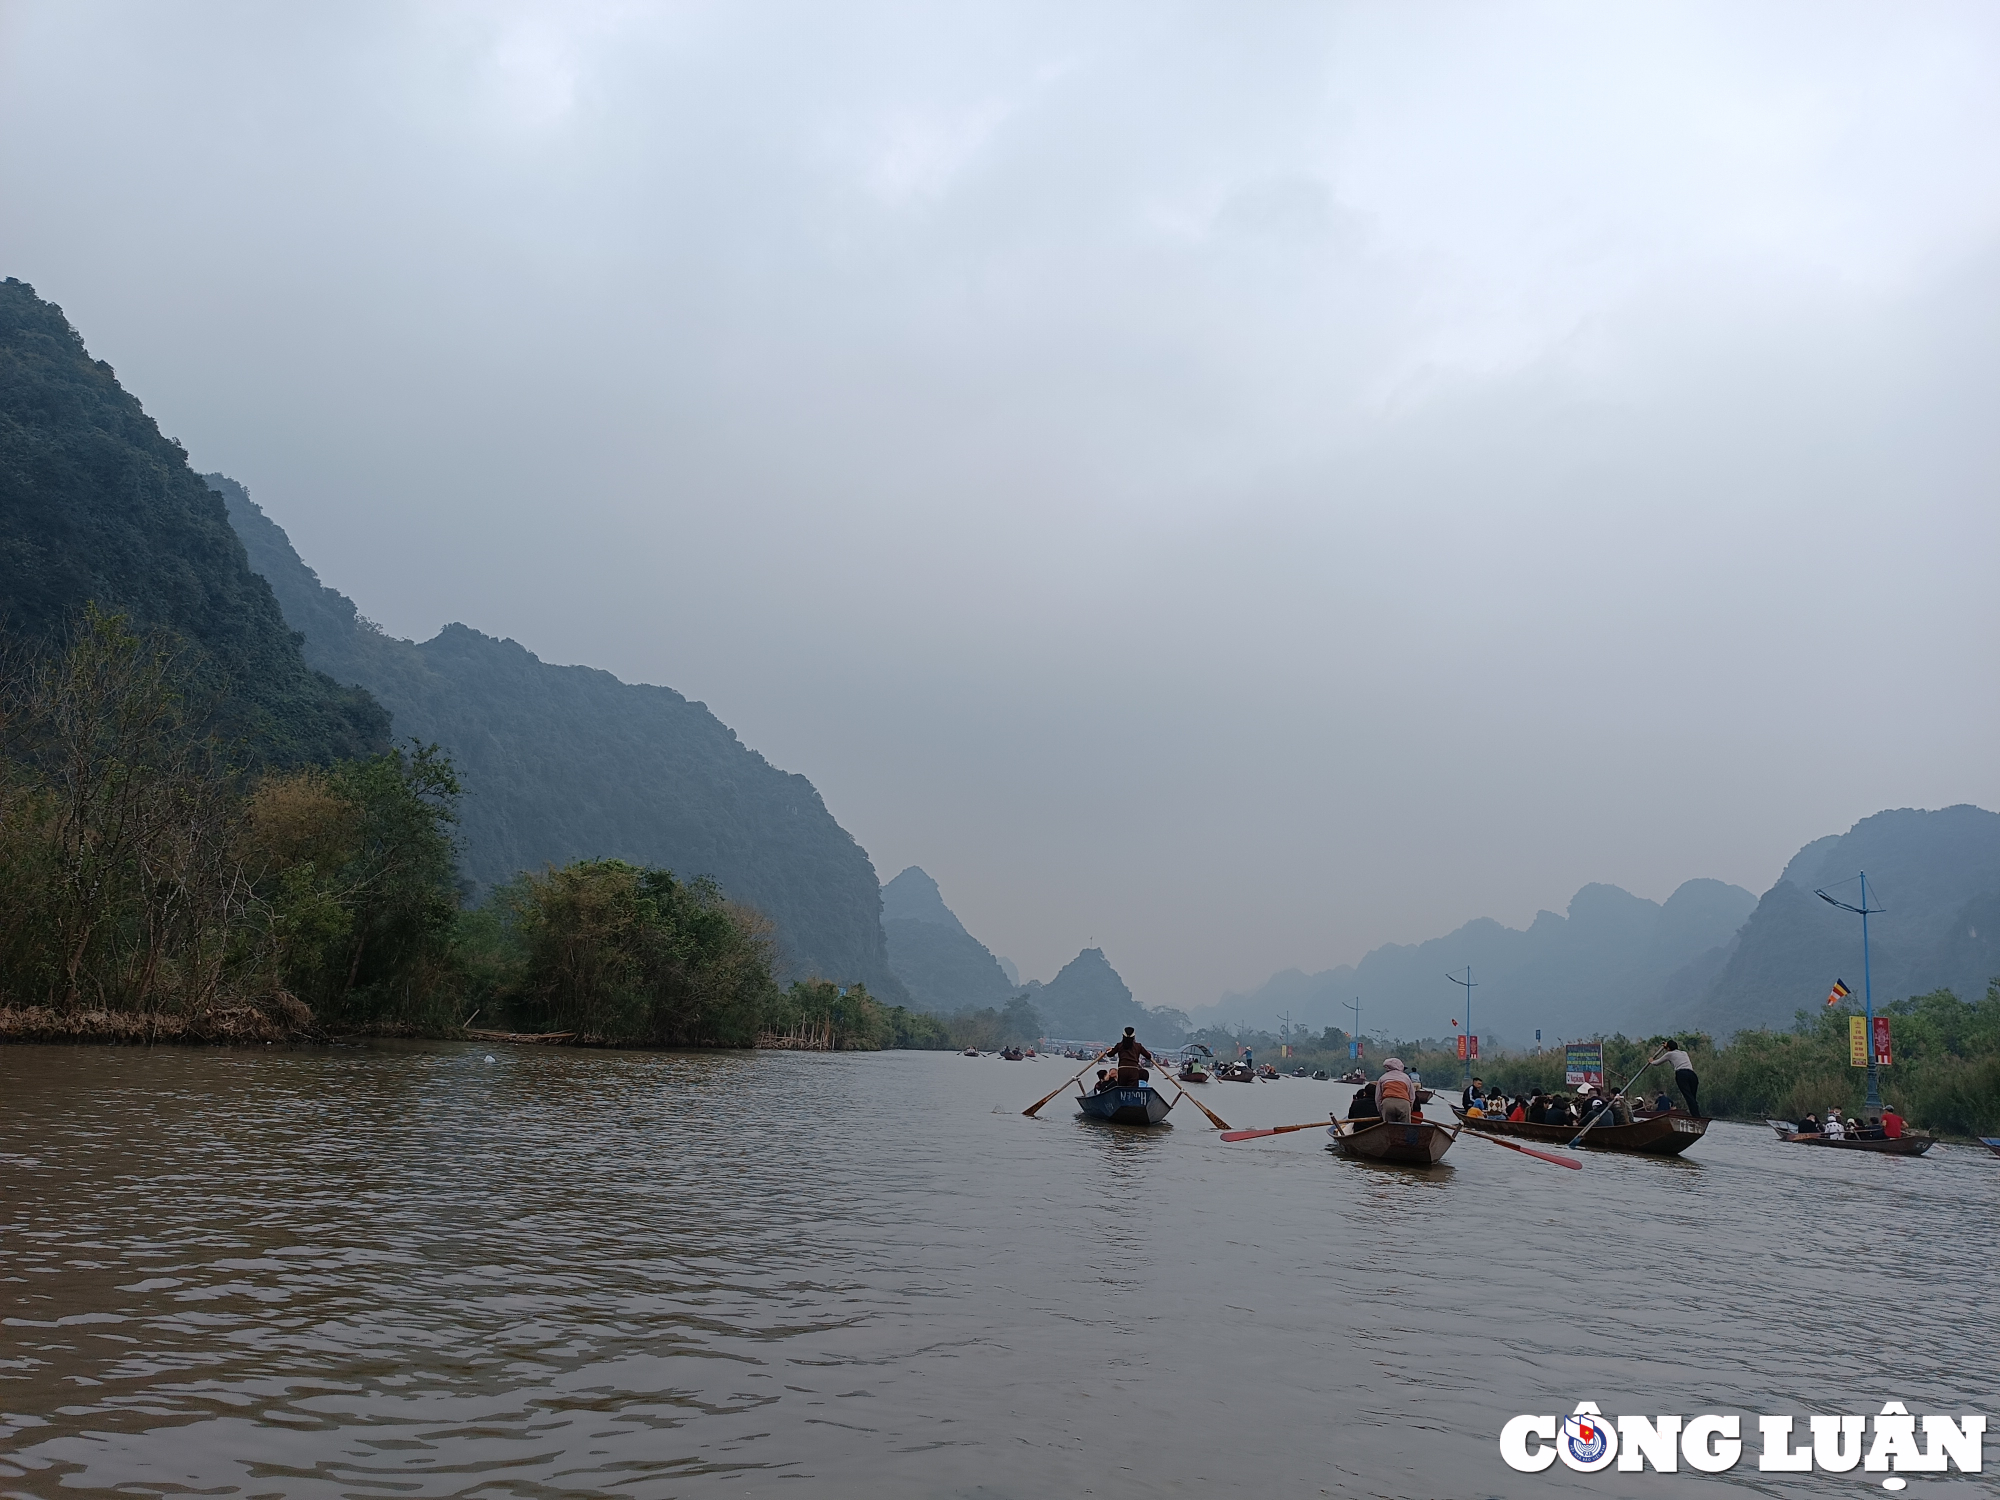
(1684, 1075)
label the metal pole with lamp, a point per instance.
(1867, 990)
(1469, 1044)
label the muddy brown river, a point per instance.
(406, 1271)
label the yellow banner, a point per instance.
(1857, 1041)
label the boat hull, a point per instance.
(1991, 1143)
(1421, 1143)
(1656, 1135)
(1135, 1106)
(1912, 1143)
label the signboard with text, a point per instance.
(1881, 1041)
(1857, 1042)
(1583, 1062)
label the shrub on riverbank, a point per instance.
(146, 872)
(159, 887)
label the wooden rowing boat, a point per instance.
(1909, 1143)
(1420, 1143)
(1139, 1105)
(1651, 1135)
(1192, 1075)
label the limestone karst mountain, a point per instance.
(944, 967)
(563, 763)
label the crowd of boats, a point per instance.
(1398, 1131)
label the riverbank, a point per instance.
(237, 1026)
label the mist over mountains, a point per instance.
(1711, 957)
(563, 763)
(1934, 874)
(944, 967)
(1610, 957)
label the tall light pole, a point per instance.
(1469, 987)
(1867, 989)
(1354, 1041)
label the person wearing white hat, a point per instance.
(1395, 1092)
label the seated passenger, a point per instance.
(1518, 1113)
(1833, 1130)
(1362, 1105)
(1538, 1110)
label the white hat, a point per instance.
(1395, 1063)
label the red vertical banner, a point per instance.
(1881, 1041)
(1475, 1048)
(1461, 1044)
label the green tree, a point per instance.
(623, 954)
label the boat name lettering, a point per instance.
(1588, 1442)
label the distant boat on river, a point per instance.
(1909, 1143)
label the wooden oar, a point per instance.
(1030, 1110)
(1214, 1118)
(1480, 1135)
(1251, 1135)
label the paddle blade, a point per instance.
(1250, 1135)
(1560, 1161)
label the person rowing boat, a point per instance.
(1128, 1050)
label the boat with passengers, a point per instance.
(1666, 1134)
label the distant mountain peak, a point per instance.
(914, 897)
(944, 967)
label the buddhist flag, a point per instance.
(1839, 992)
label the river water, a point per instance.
(408, 1271)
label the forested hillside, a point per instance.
(97, 506)
(564, 763)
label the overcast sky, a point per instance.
(1233, 485)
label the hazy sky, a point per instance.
(1233, 485)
